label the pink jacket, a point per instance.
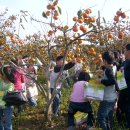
(77, 94)
(19, 79)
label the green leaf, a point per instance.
(104, 20)
(65, 28)
(21, 11)
(59, 9)
(20, 20)
(90, 25)
(44, 15)
(79, 13)
(98, 23)
(25, 18)
(22, 26)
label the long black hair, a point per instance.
(83, 76)
(8, 71)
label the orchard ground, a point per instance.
(33, 118)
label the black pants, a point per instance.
(82, 107)
(123, 109)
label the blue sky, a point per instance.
(107, 8)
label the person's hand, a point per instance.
(122, 69)
(74, 60)
(98, 81)
(99, 72)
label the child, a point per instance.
(6, 84)
(78, 102)
(53, 77)
(106, 107)
(32, 90)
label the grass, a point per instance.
(33, 118)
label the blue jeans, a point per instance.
(56, 103)
(105, 115)
(32, 101)
(82, 107)
(7, 112)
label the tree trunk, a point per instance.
(49, 110)
(48, 107)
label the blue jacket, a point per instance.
(127, 78)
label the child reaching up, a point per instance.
(53, 79)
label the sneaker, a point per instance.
(71, 128)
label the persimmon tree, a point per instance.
(73, 40)
(86, 39)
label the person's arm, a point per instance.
(127, 72)
(110, 78)
(69, 65)
(66, 67)
(103, 67)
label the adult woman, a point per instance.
(6, 84)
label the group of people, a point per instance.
(111, 63)
(16, 76)
(20, 78)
